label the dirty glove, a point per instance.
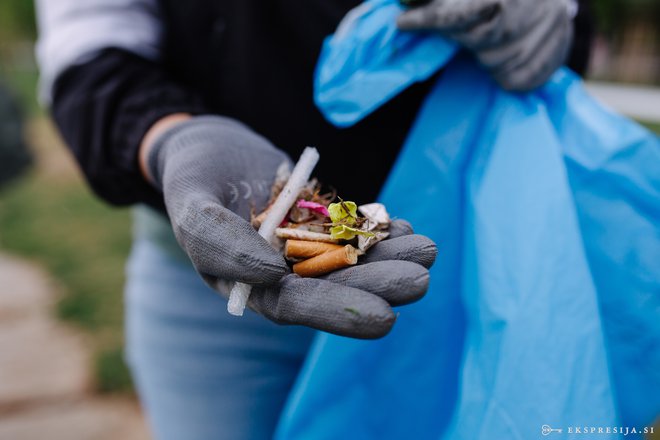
(521, 42)
(212, 172)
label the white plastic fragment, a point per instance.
(378, 221)
(376, 214)
(238, 298)
(366, 242)
(239, 295)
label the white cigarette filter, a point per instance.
(300, 234)
(239, 295)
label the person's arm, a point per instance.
(134, 133)
(213, 172)
(104, 108)
(156, 130)
(101, 78)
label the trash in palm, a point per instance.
(318, 235)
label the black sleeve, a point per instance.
(104, 107)
(583, 25)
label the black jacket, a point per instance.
(251, 60)
(247, 59)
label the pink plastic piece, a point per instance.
(316, 207)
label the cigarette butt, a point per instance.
(240, 293)
(327, 262)
(307, 249)
(297, 234)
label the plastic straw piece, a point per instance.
(239, 295)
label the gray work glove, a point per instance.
(521, 42)
(212, 171)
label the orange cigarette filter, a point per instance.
(325, 263)
(307, 249)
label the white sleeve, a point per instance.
(73, 31)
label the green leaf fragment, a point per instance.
(344, 232)
(344, 216)
(343, 212)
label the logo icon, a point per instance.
(546, 430)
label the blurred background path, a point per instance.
(45, 382)
(636, 101)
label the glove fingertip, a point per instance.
(430, 252)
(412, 20)
(272, 271)
(371, 320)
(333, 308)
(248, 256)
(399, 228)
(397, 282)
(379, 328)
(415, 248)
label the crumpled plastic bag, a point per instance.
(544, 304)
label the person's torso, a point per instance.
(254, 60)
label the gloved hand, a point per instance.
(521, 42)
(211, 171)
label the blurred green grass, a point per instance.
(50, 217)
(22, 84)
(17, 65)
(17, 19)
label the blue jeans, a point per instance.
(200, 372)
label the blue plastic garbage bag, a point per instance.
(544, 305)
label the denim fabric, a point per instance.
(200, 372)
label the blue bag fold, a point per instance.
(544, 302)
